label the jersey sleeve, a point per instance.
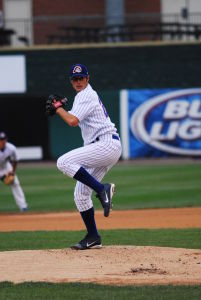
(83, 105)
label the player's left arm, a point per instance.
(13, 160)
(14, 165)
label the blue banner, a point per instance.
(163, 122)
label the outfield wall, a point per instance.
(131, 66)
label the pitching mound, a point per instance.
(110, 265)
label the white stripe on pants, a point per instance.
(97, 158)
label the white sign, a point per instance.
(30, 153)
(12, 74)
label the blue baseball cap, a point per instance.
(78, 70)
(3, 136)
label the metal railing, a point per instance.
(16, 32)
(79, 29)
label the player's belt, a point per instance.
(114, 137)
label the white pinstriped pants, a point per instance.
(97, 158)
(18, 193)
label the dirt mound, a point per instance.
(119, 265)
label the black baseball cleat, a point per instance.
(105, 197)
(89, 242)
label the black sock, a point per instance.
(89, 221)
(83, 176)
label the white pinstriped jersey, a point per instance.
(93, 118)
(8, 154)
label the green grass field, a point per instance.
(138, 186)
(181, 238)
(29, 291)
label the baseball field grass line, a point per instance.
(71, 291)
(178, 238)
(137, 186)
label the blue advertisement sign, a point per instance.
(162, 122)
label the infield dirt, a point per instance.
(147, 218)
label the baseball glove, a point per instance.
(8, 179)
(53, 102)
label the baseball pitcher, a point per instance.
(101, 150)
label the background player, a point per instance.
(101, 150)
(8, 165)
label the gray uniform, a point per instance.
(7, 155)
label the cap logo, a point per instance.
(77, 69)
